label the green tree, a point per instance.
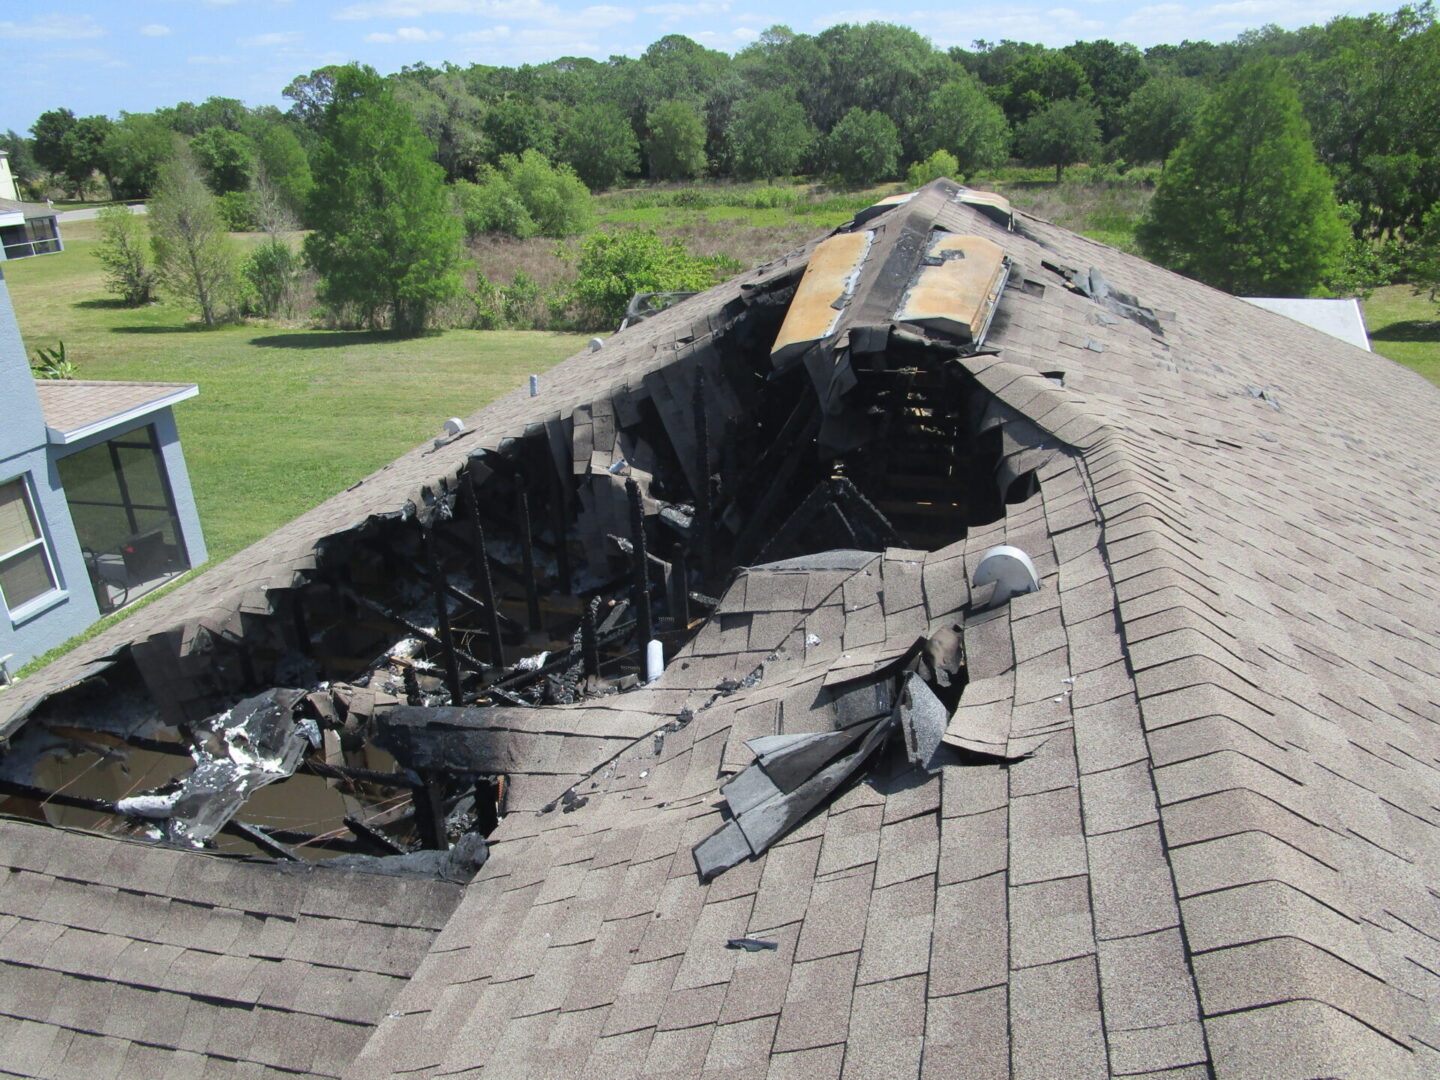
(23, 165)
(1114, 73)
(1158, 116)
(384, 243)
(600, 145)
(451, 116)
(70, 147)
(863, 148)
(676, 146)
(875, 67)
(193, 257)
(124, 251)
(769, 136)
(282, 161)
(1039, 79)
(515, 124)
(49, 132)
(1062, 133)
(227, 158)
(960, 118)
(135, 151)
(1244, 205)
(1370, 88)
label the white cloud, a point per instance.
(286, 37)
(53, 28)
(88, 57)
(604, 15)
(406, 33)
(484, 37)
(415, 9)
(155, 30)
(685, 11)
(737, 38)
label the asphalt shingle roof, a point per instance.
(1218, 856)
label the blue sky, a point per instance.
(106, 57)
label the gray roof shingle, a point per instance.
(1210, 853)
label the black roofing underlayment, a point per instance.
(1171, 814)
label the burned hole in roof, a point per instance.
(397, 698)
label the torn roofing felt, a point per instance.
(1218, 862)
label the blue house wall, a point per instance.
(48, 620)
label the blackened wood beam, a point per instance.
(263, 840)
(589, 642)
(412, 686)
(429, 801)
(309, 765)
(762, 519)
(442, 620)
(559, 521)
(481, 565)
(704, 521)
(640, 568)
(373, 837)
(680, 589)
(527, 556)
(487, 814)
(414, 630)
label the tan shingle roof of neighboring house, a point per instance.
(1219, 860)
(75, 408)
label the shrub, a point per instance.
(526, 196)
(237, 211)
(553, 194)
(613, 267)
(272, 271)
(939, 164)
(124, 252)
(492, 206)
(521, 302)
(487, 304)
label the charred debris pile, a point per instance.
(540, 574)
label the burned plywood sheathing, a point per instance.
(957, 286)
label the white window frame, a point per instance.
(45, 600)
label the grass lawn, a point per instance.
(286, 417)
(1406, 328)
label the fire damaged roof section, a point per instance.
(1170, 814)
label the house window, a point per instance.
(26, 572)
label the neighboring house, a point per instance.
(26, 228)
(95, 501)
(1343, 319)
(1172, 815)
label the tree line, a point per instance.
(519, 148)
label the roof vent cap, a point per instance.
(1011, 572)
